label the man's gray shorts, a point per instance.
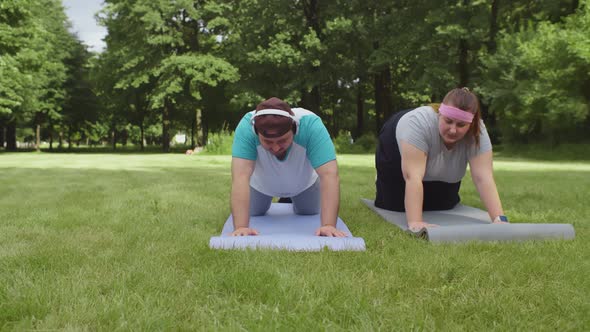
(307, 202)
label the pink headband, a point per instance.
(455, 113)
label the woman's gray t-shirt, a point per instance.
(419, 128)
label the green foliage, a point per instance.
(219, 143)
(363, 145)
(368, 142)
(34, 47)
(14, 18)
(97, 132)
(160, 57)
(11, 82)
(197, 65)
(538, 81)
(26, 134)
(197, 69)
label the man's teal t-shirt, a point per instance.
(311, 148)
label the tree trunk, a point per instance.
(315, 96)
(463, 63)
(488, 118)
(199, 127)
(360, 111)
(124, 136)
(335, 111)
(142, 134)
(382, 97)
(193, 125)
(50, 137)
(575, 5)
(38, 138)
(463, 57)
(114, 138)
(204, 127)
(166, 126)
(311, 100)
(2, 134)
(312, 15)
(493, 26)
(586, 124)
(70, 137)
(11, 136)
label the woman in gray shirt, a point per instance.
(423, 155)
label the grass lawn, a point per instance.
(120, 242)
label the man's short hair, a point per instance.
(273, 118)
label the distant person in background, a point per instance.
(423, 153)
(283, 152)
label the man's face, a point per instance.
(278, 146)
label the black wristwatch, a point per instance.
(501, 218)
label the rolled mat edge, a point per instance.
(501, 232)
(290, 243)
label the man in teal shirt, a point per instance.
(283, 152)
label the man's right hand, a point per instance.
(244, 231)
(416, 226)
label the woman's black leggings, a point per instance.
(390, 183)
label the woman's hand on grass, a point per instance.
(330, 231)
(244, 231)
(416, 226)
(500, 222)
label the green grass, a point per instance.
(544, 152)
(120, 242)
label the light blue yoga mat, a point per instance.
(465, 223)
(281, 229)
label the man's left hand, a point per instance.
(330, 231)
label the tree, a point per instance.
(168, 46)
(33, 47)
(539, 83)
(81, 107)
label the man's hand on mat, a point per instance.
(330, 231)
(244, 231)
(418, 225)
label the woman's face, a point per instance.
(451, 130)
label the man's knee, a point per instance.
(306, 209)
(258, 210)
(259, 202)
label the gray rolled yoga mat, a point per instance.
(281, 229)
(464, 223)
